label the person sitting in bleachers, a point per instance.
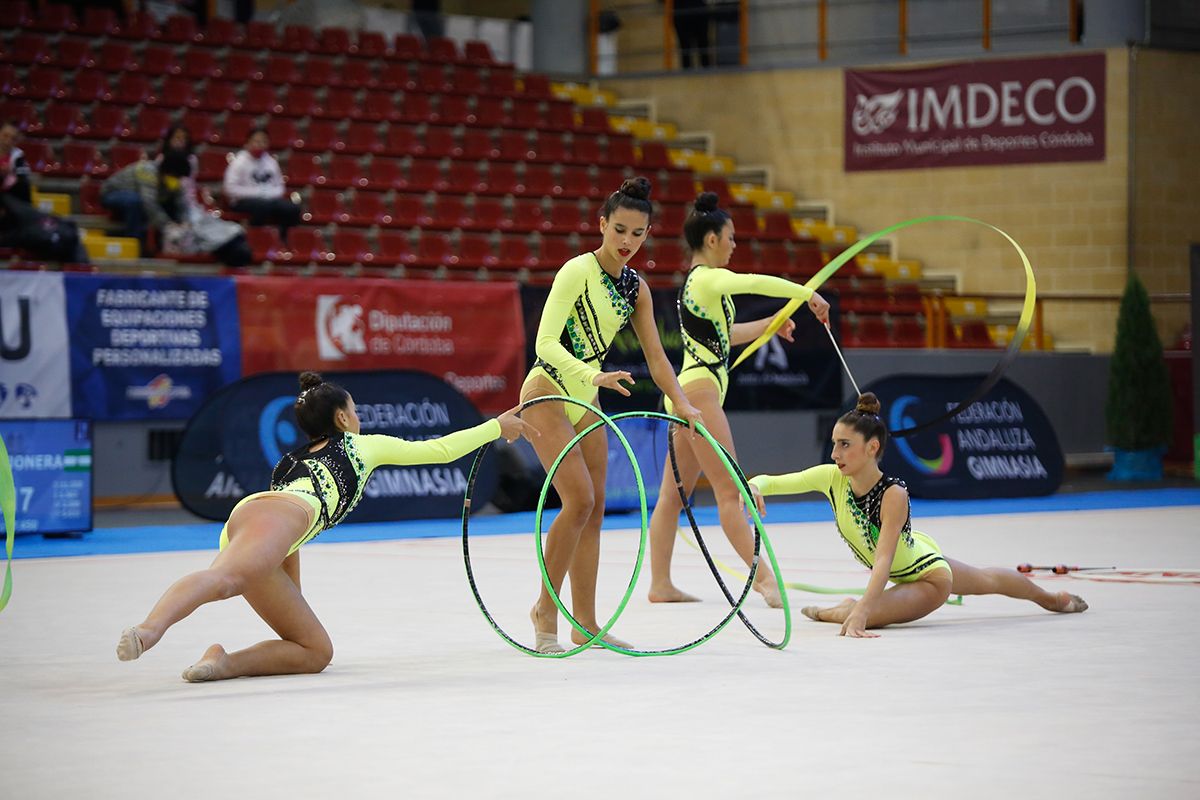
(22, 227)
(131, 194)
(193, 228)
(14, 169)
(254, 185)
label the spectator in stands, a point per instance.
(14, 169)
(691, 18)
(194, 228)
(426, 19)
(254, 185)
(131, 194)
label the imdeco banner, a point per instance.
(1012, 111)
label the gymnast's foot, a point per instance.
(579, 638)
(545, 637)
(210, 667)
(770, 592)
(836, 613)
(1067, 603)
(668, 593)
(130, 646)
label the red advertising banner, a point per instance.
(471, 335)
(1015, 111)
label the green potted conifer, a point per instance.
(1138, 412)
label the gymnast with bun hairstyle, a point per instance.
(706, 313)
(593, 297)
(313, 488)
(873, 517)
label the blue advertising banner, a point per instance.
(150, 348)
(231, 445)
(52, 472)
(1001, 446)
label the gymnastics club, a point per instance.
(838, 350)
(1058, 569)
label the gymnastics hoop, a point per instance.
(760, 535)
(1006, 358)
(8, 508)
(1172, 577)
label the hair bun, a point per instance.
(638, 188)
(868, 403)
(310, 379)
(706, 202)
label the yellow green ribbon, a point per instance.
(846, 255)
(8, 504)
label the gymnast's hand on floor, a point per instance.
(819, 306)
(613, 380)
(513, 427)
(855, 625)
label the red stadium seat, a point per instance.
(449, 212)
(490, 112)
(56, 121)
(380, 106)
(745, 221)
(406, 47)
(394, 76)
(40, 83)
(679, 188)
(778, 225)
(199, 64)
(434, 250)
(908, 332)
(477, 145)
(351, 247)
(356, 74)
(514, 146)
(488, 214)
(158, 60)
(99, 22)
(439, 143)
(236, 130)
(425, 175)
(212, 165)
(620, 150)
(477, 53)
(670, 256)
(200, 126)
(502, 83)
(525, 115)
(220, 32)
(261, 98)
(432, 79)
(283, 132)
(668, 222)
(475, 251)
(393, 248)
(176, 93)
(594, 120)
(463, 178)
(363, 138)
(131, 89)
(410, 211)
(559, 116)
(260, 36)
(528, 215)
(89, 86)
(555, 251)
(105, 122)
(385, 174)
(575, 182)
(242, 66)
(870, 331)
(566, 217)
(538, 180)
(466, 80)
(82, 159)
(281, 69)
(549, 147)
(26, 49)
(151, 125)
(369, 208)
(298, 101)
(454, 109)
(441, 50)
(516, 254)
(307, 246)
(180, 29)
(89, 199)
(655, 156)
(303, 169)
(371, 44)
(54, 18)
(218, 96)
(501, 178)
(536, 87)
(21, 113)
(401, 141)
(39, 156)
(324, 207)
(972, 333)
(334, 42)
(345, 172)
(298, 39)
(319, 72)
(585, 149)
(416, 109)
(265, 244)
(139, 26)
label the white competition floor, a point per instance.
(994, 698)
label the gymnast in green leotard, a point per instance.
(594, 295)
(874, 519)
(706, 314)
(313, 488)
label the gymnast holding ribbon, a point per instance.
(706, 314)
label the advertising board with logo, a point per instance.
(1011, 111)
(35, 378)
(234, 441)
(468, 334)
(1001, 446)
(51, 463)
(150, 348)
